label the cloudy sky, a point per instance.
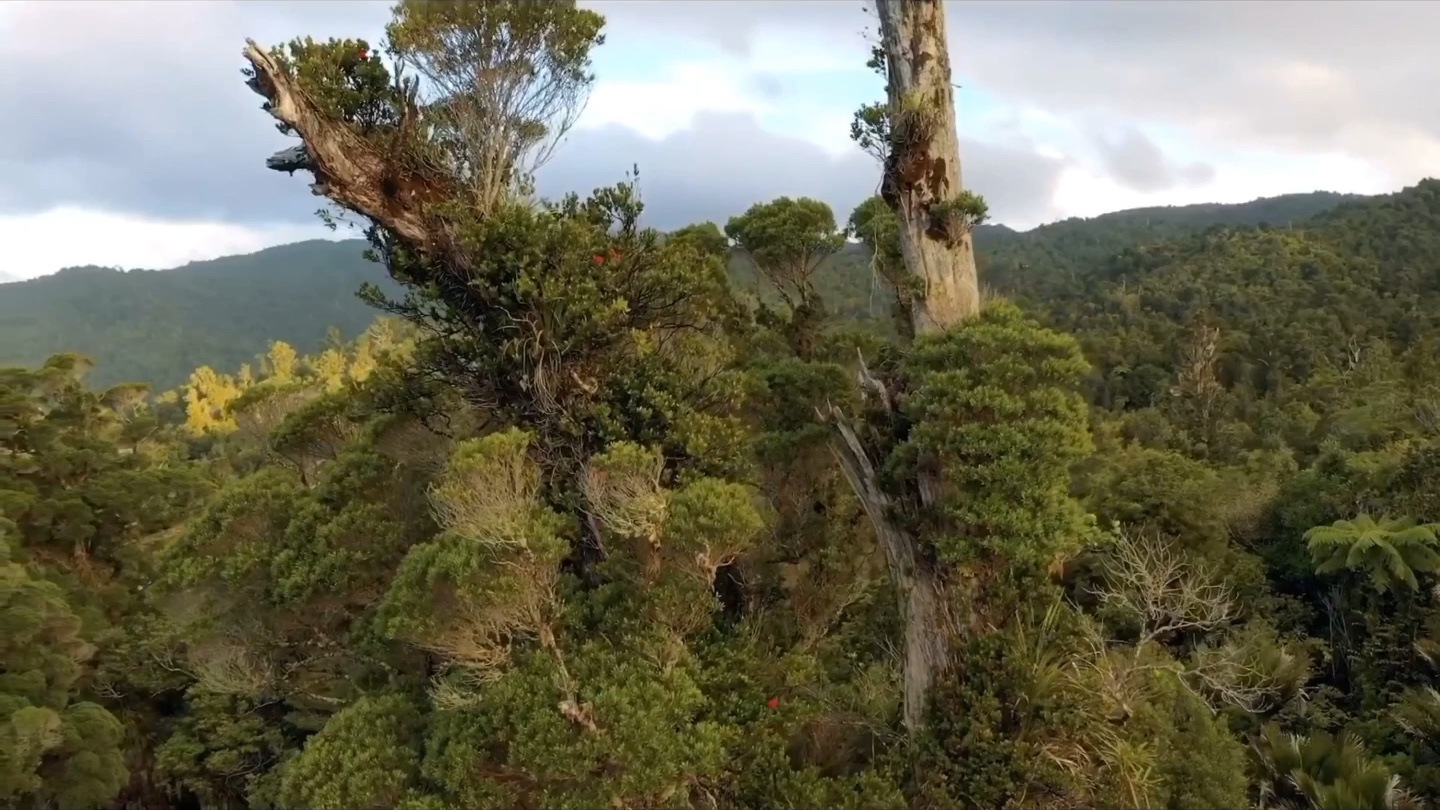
(131, 141)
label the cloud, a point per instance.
(723, 163)
(1341, 76)
(137, 128)
(36, 244)
(1138, 163)
(140, 108)
(1346, 77)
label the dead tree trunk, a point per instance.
(927, 629)
(922, 170)
(921, 185)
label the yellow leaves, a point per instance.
(207, 402)
(281, 360)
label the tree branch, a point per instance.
(349, 169)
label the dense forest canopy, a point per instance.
(729, 517)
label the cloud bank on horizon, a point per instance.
(133, 141)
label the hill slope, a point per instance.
(157, 327)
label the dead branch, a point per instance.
(927, 628)
(349, 169)
(1164, 592)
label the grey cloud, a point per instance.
(732, 25)
(1348, 76)
(1137, 162)
(767, 85)
(1197, 174)
(108, 116)
(725, 163)
(103, 117)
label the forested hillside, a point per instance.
(156, 327)
(741, 516)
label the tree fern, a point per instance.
(1389, 550)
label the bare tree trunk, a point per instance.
(921, 176)
(923, 167)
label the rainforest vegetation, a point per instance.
(744, 515)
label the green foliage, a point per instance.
(787, 240)
(87, 480)
(225, 750)
(1324, 773)
(957, 218)
(367, 755)
(705, 237)
(55, 749)
(997, 421)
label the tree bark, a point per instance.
(923, 167)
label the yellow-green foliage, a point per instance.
(55, 749)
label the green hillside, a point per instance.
(158, 326)
(1294, 311)
(1034, 261)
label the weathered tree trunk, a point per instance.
(921, 175)
(923, 167)
(349, 169)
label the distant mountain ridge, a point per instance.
(157, 326)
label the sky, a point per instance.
(131, 140)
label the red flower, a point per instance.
(773, 703)
(599, 259)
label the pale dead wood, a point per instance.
(922, 168)
(926, 629)
(1166, 593)
(349, 169)
(921, 172)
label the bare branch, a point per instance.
(1164, 592)
(348, 168)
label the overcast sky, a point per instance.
(130, 139)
